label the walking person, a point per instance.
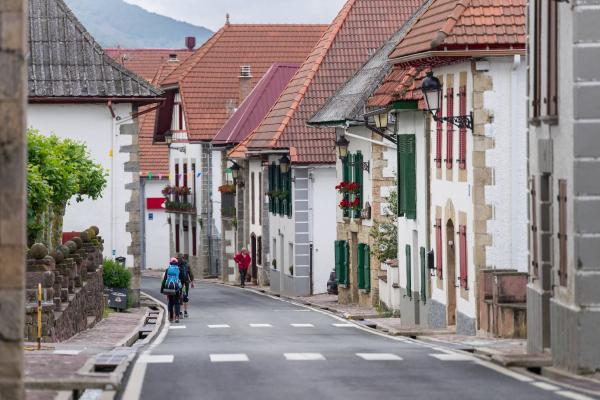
(188, 280)
(243, 260)
(171, 286)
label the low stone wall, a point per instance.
(72, 287)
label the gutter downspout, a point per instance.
(143, 221)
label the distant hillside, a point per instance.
(117, 23)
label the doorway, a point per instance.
(253, 255)
(451, 274)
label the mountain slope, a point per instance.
(117, 23)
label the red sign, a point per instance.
(155, 203)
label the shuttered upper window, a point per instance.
(537, 59)
(552, 44)
(358, 178)
(462, 132)
(449, 127)
(346, 177)
(407, 176)
(439, 130)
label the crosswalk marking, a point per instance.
(379, 356)
(302, 325)
(228, 357)
(572, 395)
(159, 359)
(177, 327)
(452, 357)
(67, 352)
(545, 386)
(345, 325)
(303, 356)
(218, 326)
(261, 326)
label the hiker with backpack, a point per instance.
(243, 260)
(172, 286)
(188, 280)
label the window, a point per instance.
(364, 267)
(342, 258)
(252, 194)
(464, 271)
(177, 174)
(552, 43)
(407, 179)
(449, 126)
(358, 178)
(185, 175)
(408, 271)
(562, 231)
(438, 248)
(462, 132)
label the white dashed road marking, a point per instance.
(261, 326)
(572, 395)
(379, 356)
(452, 357)
(343, 325)
(302, 325)
(149, 359)
(545, 386)
(177, 327)
(228, 358)
(67, 352)
(303, 356)
(219, 326)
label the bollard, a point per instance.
(39, 318)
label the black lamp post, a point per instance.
(284, 164)
(342, 147)
(432, 92)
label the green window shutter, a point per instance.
(272, 187)
(367, 268)
(358, 178)
(411, 177)
(283, 189)
(360, 268)
(289, 191)
(346, 177)
(408, 272)
(279, 188)
(338, 261)
(346, 265)
(423, 274)
(400, 179)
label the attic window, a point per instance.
(173, 57)
(245, 71)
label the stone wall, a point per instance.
(72, 287)
(12, 194)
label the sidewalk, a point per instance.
(60, 367)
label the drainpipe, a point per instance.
(143, 221)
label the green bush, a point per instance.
(115, 275)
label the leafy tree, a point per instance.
(385, 230)
(59, 169)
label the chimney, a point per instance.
(245, 82)
(190, 42)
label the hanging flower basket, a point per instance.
(353, 188)
(342, 187)
(227, 189)
(345, 205)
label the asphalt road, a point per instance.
(238, 344)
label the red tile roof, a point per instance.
(209, 80)
(145, 62)
(466, 24)
(256, 106)
(361, 27)
(402, 83)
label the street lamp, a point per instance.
(235, 171)
(381, 120)
(284, 164)
(432, 92)
(342, 147)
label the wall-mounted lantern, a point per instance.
(432, 92)
(342, 147)
(235, 172)
(284, 164)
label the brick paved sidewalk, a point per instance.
(65, 360)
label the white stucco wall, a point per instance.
(322, 206)
(94, 125)
(156, 230)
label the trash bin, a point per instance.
(121, 260)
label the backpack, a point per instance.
(172, 282)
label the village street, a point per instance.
(238, 344)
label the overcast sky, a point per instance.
(211, 13)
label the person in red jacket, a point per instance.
(243, 260)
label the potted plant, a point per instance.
(228, 188)
(117, 281)
(342, 187)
